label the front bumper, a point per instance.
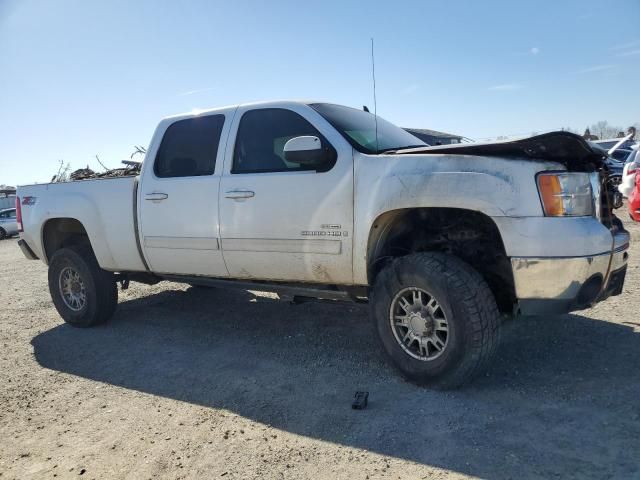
(563, 284)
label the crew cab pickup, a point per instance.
(318, 200)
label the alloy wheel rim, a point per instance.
(419, 323)
(72, 289)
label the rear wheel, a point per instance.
(82, 292)
(436, 318)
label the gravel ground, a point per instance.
(193, 383)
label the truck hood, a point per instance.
(566, 148)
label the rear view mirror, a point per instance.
(305, 150)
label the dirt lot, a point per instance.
(190, 383)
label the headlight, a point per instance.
(565, 194)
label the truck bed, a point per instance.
(104, 206)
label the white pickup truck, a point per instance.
(323, 201)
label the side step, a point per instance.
(299, 300)
(302, 291)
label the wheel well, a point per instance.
(467, 234)
(60, 233)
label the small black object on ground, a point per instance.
(360, 401)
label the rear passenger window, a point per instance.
(189, 147)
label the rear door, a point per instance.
(178, 197)
(280, 220)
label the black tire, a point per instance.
(100, 288)
(467, 304)
(3, 234)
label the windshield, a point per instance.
(359, 128)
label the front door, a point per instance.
(178, 198)
(280, 220)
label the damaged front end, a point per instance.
(569, 149)
(565, 148)
(561, 280)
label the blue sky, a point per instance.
(79, 78)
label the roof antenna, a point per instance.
(375, 103)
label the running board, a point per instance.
(299, 290)
(299, 300)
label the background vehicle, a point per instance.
(325, 201)
(621, 154)
(615, 170)
(8, 224)
(628, 178)
(608, 143)
(617, 157)
(634, 200)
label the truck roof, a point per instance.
(266, 103)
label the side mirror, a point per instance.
(305, 150)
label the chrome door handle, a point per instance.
(156, 196)
(236, 194)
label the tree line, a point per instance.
(603, 129)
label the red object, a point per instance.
(19, 214)
(634, 200)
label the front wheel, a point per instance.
(82, 292)
(436, 318)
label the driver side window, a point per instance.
(261, 137)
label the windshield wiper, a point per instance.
(396, 149)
